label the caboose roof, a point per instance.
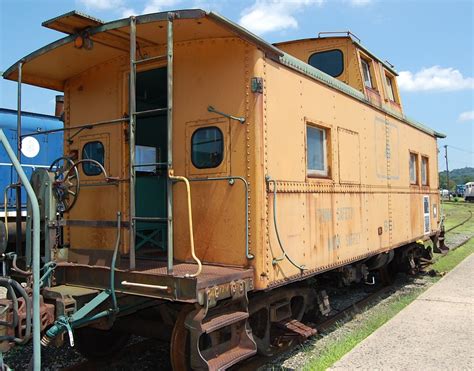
(52, 65)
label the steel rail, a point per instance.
(460, 224)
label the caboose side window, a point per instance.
(329, 61)
(92, 151)
(366, 73)
(426, 214)
(207, 147)
(424, 170)
(390, 89)
(316, 151)
(413, 168)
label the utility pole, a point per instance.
(447, 170)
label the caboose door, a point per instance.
(150, 164)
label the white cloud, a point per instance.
(101, 4)
(154, 6)
(434, 78)
(360, 2)
(466, 116)
(151, 6)
(273, 15)
(127, 12)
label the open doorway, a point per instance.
(151, 180)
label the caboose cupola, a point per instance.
(342, 56)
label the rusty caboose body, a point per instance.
(204, 167)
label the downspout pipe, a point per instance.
(36, 251)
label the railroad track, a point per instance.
(349, 312)
(344, 315)
(257, 361)
(460, 224)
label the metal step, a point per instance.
(230, 358)
(297, 328)
(223, 320)
(224, 328)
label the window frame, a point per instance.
(326, 172)
(367, 62)
(393, 88)
(84, 164)
(222, 147)
(417, 177)
(426, 214)
(327, 51)
(427, 172)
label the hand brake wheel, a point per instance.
(66, 182)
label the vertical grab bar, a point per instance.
(169, 139)
(190, 220)
(131, 140)
(36, 251)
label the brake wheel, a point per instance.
(66, 182)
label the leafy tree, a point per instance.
(456, 176)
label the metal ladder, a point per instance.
(133, 218)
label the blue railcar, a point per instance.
(460, 190)
(37, 150)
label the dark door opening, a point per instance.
(151, 147)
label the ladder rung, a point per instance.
(150, 218)
(157, 58)
(150, 111)
(151, 164)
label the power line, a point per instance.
(460, 149)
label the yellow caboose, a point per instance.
(205, 171)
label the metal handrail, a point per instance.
(82, 127)
(36, 251)
(348, 33)
(285, 255)
(190, 219)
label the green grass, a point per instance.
(448, 262)
(338, 348)
(455, 213)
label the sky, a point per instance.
(431, 44)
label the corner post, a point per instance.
(131, 140)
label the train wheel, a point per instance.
(98, 344)
(179, 349)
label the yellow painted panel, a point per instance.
(349, 156)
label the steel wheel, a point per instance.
(179, 349)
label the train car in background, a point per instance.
(460, 188)
(38, 151)
(469, 192)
